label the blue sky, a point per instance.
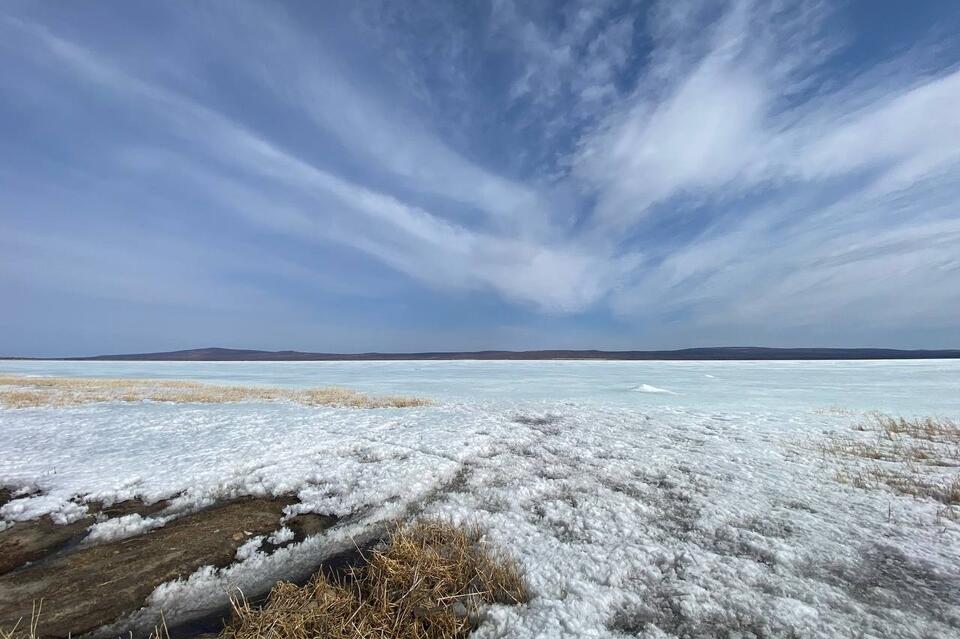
(401, 176)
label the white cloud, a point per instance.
(909, 133)
(819, 201)
(374, 124)
(858, 189)
(313, 202)
(719, 127)
(702, 137)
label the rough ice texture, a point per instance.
(700, 514)
(654, 390)
(122, 528)
(281, 536)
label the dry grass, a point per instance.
(429, 582)
(932, 441)
(25, 630)
(835, 409)
(910, 457)
(930, 429)
(30, 392)
(881, 451)
(905, 481)
(30, 630)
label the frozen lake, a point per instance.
(902, 386)
(651, 499)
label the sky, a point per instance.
(412, 176)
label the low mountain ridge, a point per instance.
(217, 354)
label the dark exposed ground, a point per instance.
(30, 540)
(86, 587)
(713, 353)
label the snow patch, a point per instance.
(250, 548)
(698, 518)
(122, 528)
(653, 390)
(281, 537)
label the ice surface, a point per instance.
(647, 388)
(697, 514)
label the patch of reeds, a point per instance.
(931, 429)
(430, 581)
(908, 456)
(882, 451)
(32, 392)
(905, 481)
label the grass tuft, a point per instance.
(430, 581)
(930, 429)
(29, 631)
(914, 457)
(33, 392)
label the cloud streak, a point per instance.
(690, 167)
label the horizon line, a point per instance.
(218, 353)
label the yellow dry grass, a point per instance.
(30, 392)
(930, 429)
(932, 441)
(916, 457)
(907, 481)
(22, 630)
(429, 582)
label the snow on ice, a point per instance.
(700, 514)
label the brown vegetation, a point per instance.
(931, 429)
(429, 582)
(31, 392)
(916, 457)
(92, 585)
(22, 630)
(31, 630)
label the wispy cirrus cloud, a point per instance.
(817, 204)
(689, 168)
(310, 201)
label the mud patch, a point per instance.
(24, 542)
(28, 541)
(118, 576)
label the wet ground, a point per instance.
(85, 586)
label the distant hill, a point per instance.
(715, 353)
